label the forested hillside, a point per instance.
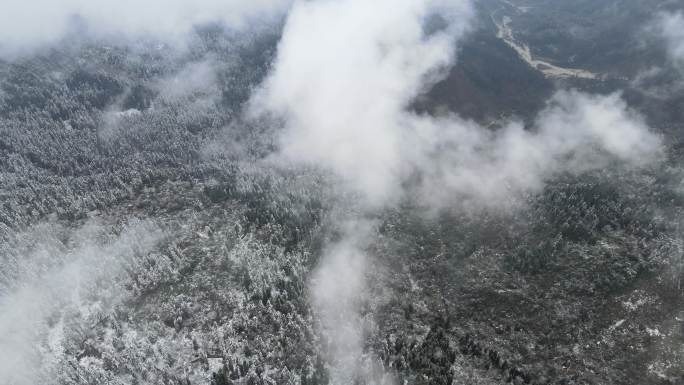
(151, 232)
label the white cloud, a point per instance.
(671, 27)
(343, 81)
(28, 25)
(339, 290)
(196, 77)
(344, 77)
(345, 72)
(461, 161)
(46, 283)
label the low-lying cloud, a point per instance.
(337, 291)
(195, 78)
(345, 73)
(48, 284)
(671, 27)
(343, 82)
(461, 161)
(345, 76)
(29, 25)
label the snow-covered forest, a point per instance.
(338, 192)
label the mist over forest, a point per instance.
(340, 192)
